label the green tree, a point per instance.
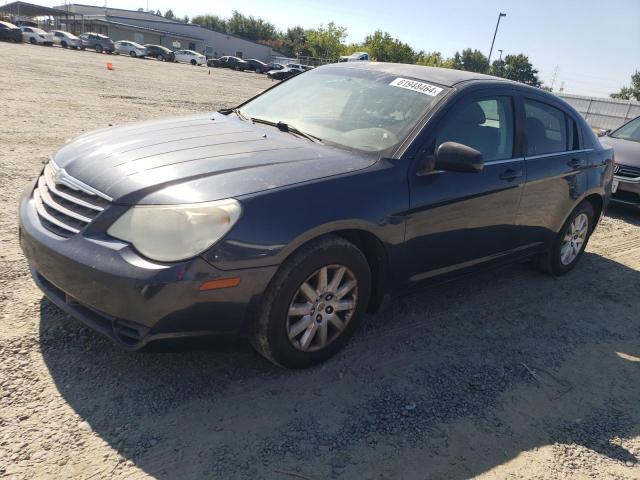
(471, 61)
(169, 14)
(518, 68)
(631, 92)
(295, 42)
(382, 47)
(251, 27)
(214, 22)
(185, 19)
(433, 59)
(326, 42)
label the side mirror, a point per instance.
(603, 133)
(456, 157)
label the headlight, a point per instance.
(169, 233)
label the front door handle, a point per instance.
(575, 163)
(510, 174)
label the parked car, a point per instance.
(291, 70)
(96, 41)
(10, 33)
(127, 47)
(66, 39)
(228, 62)
(275, 66)
(626, 181)
(189, 56)
(160, 53)
(354, 57)
(257, 66)
(36, 36)
(295, 213)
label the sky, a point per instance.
(592, 46)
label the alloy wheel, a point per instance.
(322, 307)
(574, 239)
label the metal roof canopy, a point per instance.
(31, 10)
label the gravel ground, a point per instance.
(507, 374)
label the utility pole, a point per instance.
(554, 77)
(495, 33)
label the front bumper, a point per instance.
(108, 286)
(628, 192)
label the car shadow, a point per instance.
(449, 383)
(629, 215)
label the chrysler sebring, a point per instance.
(290, 216)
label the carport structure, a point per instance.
(23, 13)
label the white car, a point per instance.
(65, 39)
(36, 36)
(189, 56)
(126, 47)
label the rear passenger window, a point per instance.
(546, 129)
(486, 125)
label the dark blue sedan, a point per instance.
(290, 217)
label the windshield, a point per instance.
(361, 109)
(630, 131)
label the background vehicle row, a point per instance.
(103, 44)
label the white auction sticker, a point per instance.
(419, 87)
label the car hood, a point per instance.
(627, 152)
(197, 159)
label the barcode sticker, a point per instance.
(415, 86)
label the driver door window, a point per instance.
(485, 124)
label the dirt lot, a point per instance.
(508, 374)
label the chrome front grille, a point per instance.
(627, 172)
(66, 205)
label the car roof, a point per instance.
(7, 24)
(444, 76)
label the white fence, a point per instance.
(606, 113)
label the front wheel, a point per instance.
(194, 63)
(313, 304)
(570, 243)
(98, 49)
(32, 41)
(132, 54)
(64, 44)
(160, 57)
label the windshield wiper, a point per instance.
(227, 111)
(287, 127)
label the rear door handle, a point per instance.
(576, 163)
(510, 174)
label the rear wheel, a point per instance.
(313, 304)
(98, 48)
(570, 243)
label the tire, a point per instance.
(194, 63)
(552, 261)
(98, 48)
(269, 331)
(64, 44)
(32, 41)
(132, 54)
(160, 57)
(82, 48)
